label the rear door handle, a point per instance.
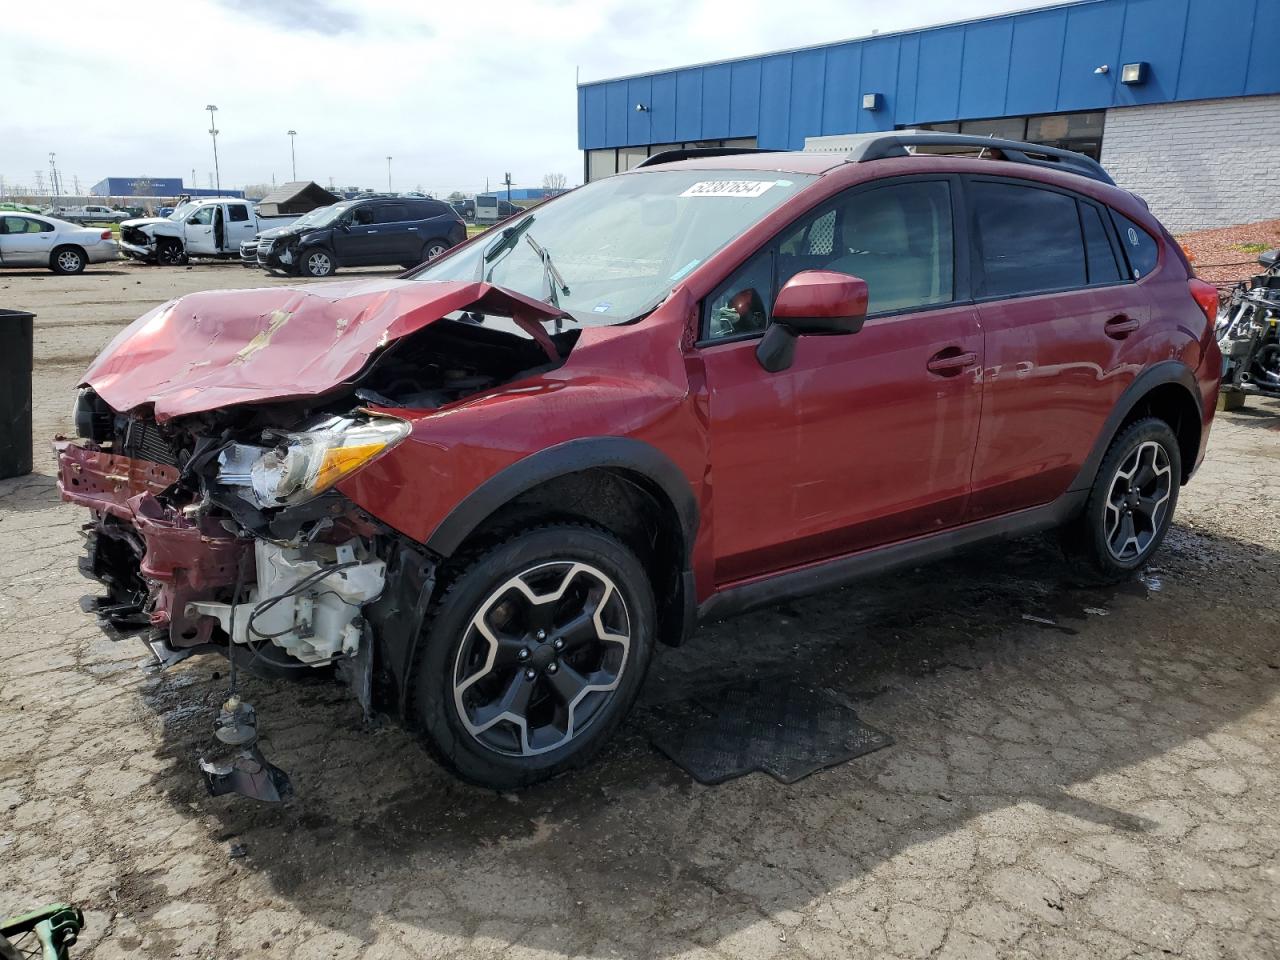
(371, 231)
(948, 362)
(1120, 327)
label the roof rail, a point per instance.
(692, 153)
(881, 146)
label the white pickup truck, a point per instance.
(91, 213)
(208, 227)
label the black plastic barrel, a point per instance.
(16, 355)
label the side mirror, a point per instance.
(812, 303)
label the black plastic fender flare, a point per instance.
(572, 456)
(1164, 372)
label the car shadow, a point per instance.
(44, 273)
(1005, 684)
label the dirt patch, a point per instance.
(1230, 254)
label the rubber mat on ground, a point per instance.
(787, 730)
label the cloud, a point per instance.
(455, 93)
(318, 16)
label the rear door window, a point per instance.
(1139, 246)
(391, 213)
(1103, 266)
(238, 212)
(1029, 239)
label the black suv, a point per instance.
(373, 232)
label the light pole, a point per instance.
(293, 156)
(388, 174)
(213, 132)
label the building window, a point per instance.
(1081, 132)
(605, 163)
(601, 164)
(631, 157)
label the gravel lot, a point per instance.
(1100, 786)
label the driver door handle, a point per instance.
(1120, 326)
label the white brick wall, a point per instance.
(1213, 163)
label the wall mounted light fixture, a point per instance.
(641, 108)
(1134, 73)
(1104, 69)
(872, 101)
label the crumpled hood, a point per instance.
(147, 222)
(224, 347)
(275, 233)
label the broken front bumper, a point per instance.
(138, 251)
(154, 560)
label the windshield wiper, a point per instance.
(510, 236)
(555, 281)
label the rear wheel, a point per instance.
(1131, 504)
(533, 654)
(317, 262)
(434, 248)
(66, 260)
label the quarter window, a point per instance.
(1030, 239)
(1139, 246)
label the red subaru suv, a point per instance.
(481, 492)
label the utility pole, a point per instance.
(506, 178)
(53, 178)
(293, 155)
(213, 132)
(40, 182)
(388, 174)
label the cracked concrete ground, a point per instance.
(1100, 786)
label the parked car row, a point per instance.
(381, 231)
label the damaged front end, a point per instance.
(221, 530)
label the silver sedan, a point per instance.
(34, 240)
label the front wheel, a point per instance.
(169, 253)
(318, 262)
(1131, 504)
(532, 655)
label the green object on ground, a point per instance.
(55, 926)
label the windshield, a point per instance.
(321, 216)
(622, 243)
(182, 209)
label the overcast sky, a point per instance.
(454, 91)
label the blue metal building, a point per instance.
(1064, 74)
(153, 187)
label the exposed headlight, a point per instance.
(306, 464)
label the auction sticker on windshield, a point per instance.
(728, 188)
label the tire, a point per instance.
(570, 688)
(1124, 523)
(169, 253)
(433, 248)
(317, 262)
(68, 260)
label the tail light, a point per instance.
(106, 235)
(1206, 297)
